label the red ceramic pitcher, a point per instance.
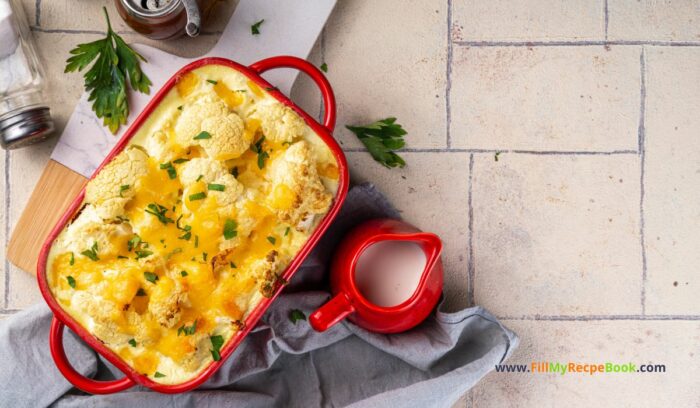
(348, 301)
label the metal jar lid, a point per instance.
(24, 127)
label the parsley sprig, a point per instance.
(257, 148)
(107, 78)
(381, 139)
(159, 211)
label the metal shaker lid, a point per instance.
(24, 127)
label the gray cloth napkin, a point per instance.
(281, 363)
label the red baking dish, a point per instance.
(62, 319)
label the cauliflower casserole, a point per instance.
(184, 231)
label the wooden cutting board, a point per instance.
(290, 28)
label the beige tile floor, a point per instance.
(553, 144)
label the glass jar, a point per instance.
(161, 19)
(24, 116)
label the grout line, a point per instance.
(492, 151)
(448, 77)
(641, 148)
(8, 193)
(10, 312)
(606, 17)
(470, 239)
(574, 43)
(600, 317)
(37, 13)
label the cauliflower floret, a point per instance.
(116, 183)
(213, 172)
(104, 314)
(89, 224)
(279, 123)
(165, 301)
(266, 273)
(158, 147)
(226, 129)
(297, 191)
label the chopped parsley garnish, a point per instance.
(173, 252)
(180, 160)
(123, 188)
(272, 240)
(171, 170)
(203, 135)
(255, 28)
(179, 108)
(196, 242)
(150, 276)
(234, 171)
(198, 196)
(295, 315)
(183, 273)
(133, 242)
(495, 156)
(106, 81)
(159, 211)
(216, 343)
(187, 330)
(71, 281)
(122, 257)
(324, 67)
(201, 176)
(204, 256)
(211, 81)
(140, 292)
(132, 343)
(216, 187)
(271, 88)
(232, 265)
(143, 253)
(286, 232)
(187, 235)
(381, 139)
(71, 262)
(257, 148)
(158, 374)
(230, 229)
(187, 228)
(92, 252)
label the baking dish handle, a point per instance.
(77, 379)
(314, 73)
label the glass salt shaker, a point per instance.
(24, 116)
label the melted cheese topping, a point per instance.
(185, 231)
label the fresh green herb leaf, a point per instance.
(234, 172)
(179, 108)
(140, 292)
(495, 156)
(158, 375)
(159, 211)
(272, 240)
(142, 253)
(196, 242)
(122, 189)
(187, 330)
(203, 135)
(133, 242)
(198, 196)
(183, 273)
(257, 148)
(295, 315)
(201, 176)
(173, 252)
(171, 170)
(132, 343)
(122, 257)
(71, 262)
(106, 80)
(324, 67)
(255, 28)
(150, 276)
(92, 252)
(286, 232)
(216, 343)
(204, 256)
(186, 236)
(216, 187)
(381, 139)
(211, 81)
(271, 88)
(232, 265)
(71, 281)
(230, 229)
(180, 160)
